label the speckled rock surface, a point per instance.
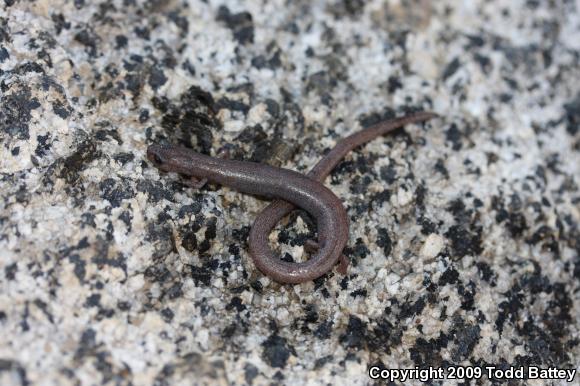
(464, 240)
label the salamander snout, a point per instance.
(156, 154)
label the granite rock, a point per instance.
(464, 236)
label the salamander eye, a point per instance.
(154, 156)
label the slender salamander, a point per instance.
(269, 181)
(292, 190)
(269, 217)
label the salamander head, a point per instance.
(170, 158)
(160, 156)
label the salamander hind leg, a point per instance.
(343, 263)
(312, 246)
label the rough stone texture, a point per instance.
(464, 240)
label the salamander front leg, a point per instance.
(224, 153)
(194, 182)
